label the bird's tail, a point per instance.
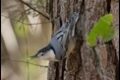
(72, 20)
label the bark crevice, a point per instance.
(108, 5)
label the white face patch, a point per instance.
(49, 55)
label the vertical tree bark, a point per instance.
(115, 12)
(85, 63)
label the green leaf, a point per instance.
(101, 30)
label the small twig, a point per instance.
(34, 9)
(25, 23)
(22, 61)
(30, 63)
(22, 14)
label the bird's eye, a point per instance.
(42, 54)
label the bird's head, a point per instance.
(45, 53)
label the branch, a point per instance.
(24, 22)
(22, 61)
(34, 9)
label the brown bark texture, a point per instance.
(83, 62)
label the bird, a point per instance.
(56, 49)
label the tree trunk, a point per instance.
(83, 62)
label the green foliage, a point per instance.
(102, 30)
(21, 29)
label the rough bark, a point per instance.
(115, 12)
(83, 62)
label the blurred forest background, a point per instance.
(27, 25)
(23, 32)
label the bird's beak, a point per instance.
(32, 57)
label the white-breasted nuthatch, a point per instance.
(56, 49)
